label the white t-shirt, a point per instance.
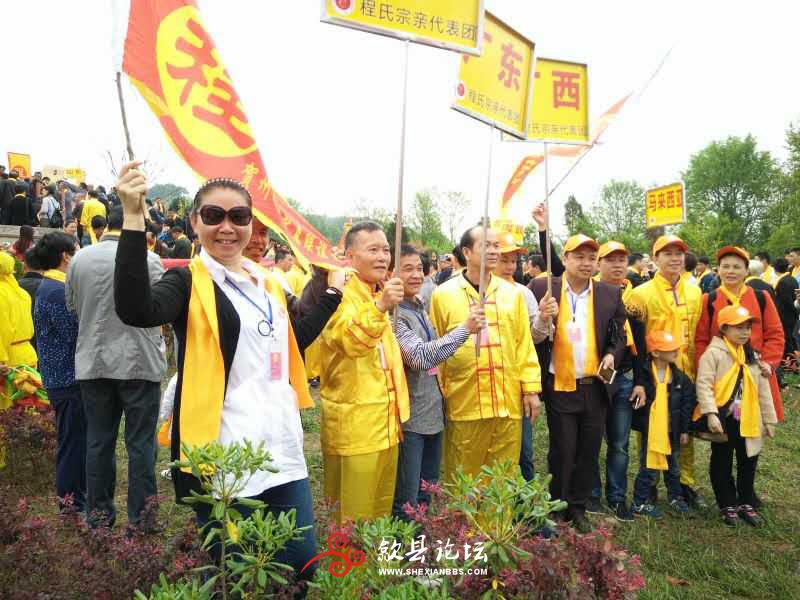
(256, 408)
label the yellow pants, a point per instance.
(361, 486)
(472, 444)
(313, 360)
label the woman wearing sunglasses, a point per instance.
(240, 372)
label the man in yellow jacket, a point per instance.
(92, 207)
(485, 395)
(363, 387)
(669, 303)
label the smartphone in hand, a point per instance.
(607, 375)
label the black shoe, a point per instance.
(729, 516)
(593, 506)
(653, 495)
(314, 383)
(748, 514)
(621, 512)
(581, 524)
(693, 499)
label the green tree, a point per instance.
(576, 220)
(426, 222)
(452, 206)
(168, 192)
(619, 214)
(783, 220)
(731, 187)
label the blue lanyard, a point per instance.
(424, 324)
(573, 300)
(267, 318)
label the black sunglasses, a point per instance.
(214, 215)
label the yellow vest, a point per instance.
(654, 304)
(363, 390)
(508, 366)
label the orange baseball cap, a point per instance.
(507, 245)
(736, 250)
(734, 315)
(611, 247)
(662, 341)
(579, 241)
(669, 240)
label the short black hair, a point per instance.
(83, 185)
(219, 183)
(704, 259)
(468, 238)
(458, 255)
(115, 218)
(176, 229)
(634, 258)
(51, 248)
(98, 221)
(763, 255)
(781, 265)
(368, 226)
(32, 260)
(796, 250)
(93, 194)
(690, 261)
(537, 260)
(281, 253)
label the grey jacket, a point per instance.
(108, 349)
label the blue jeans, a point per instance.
(71, 454)
(419, 458)
(647, 478)
(526, 452)
(618, 432)
(283, 498)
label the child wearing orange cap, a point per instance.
(736, 399)
(663, 420)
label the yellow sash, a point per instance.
(734, 299)
(56, 275)
(563, 358)
(658, 444)
(203, 387)
(781, 276)
(672, 320)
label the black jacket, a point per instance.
(139, 304)
(681, 404)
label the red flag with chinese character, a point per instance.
(529, 163)
(173, 62)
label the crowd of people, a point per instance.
(671, 345)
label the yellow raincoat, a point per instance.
(364, 398)
(91, 208)
(483, 395)
(659, 307)
(16, 324)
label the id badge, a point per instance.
(275, 366)
(434, 371)
(574, 333)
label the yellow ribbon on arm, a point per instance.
(563, 358)
(658, 444)
(203, 381)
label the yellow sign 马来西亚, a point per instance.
(559, 107)
(665, 205)
(451, 24)
(76, 174)
(21, 163)
(496, 86)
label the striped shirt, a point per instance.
(423, 355)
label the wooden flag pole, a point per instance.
(548, 248)
(124, 117)
(485, 223)
(398, 223)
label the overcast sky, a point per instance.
(324, 101)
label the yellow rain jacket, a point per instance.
(363, 390)
(493, 384)
(658, 307)
(91, 208)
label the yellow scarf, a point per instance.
(541, 275)
(750, 420)
(56, 275)
(796, 271)
(734, 299)
(703, 274)
(658, 445)
(673, 321)
(768, 274)
(562, 347)
(204, 369)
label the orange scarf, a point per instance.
(658, 444)
(563, 358)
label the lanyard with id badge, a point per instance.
(266, 329)
(574, 332)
